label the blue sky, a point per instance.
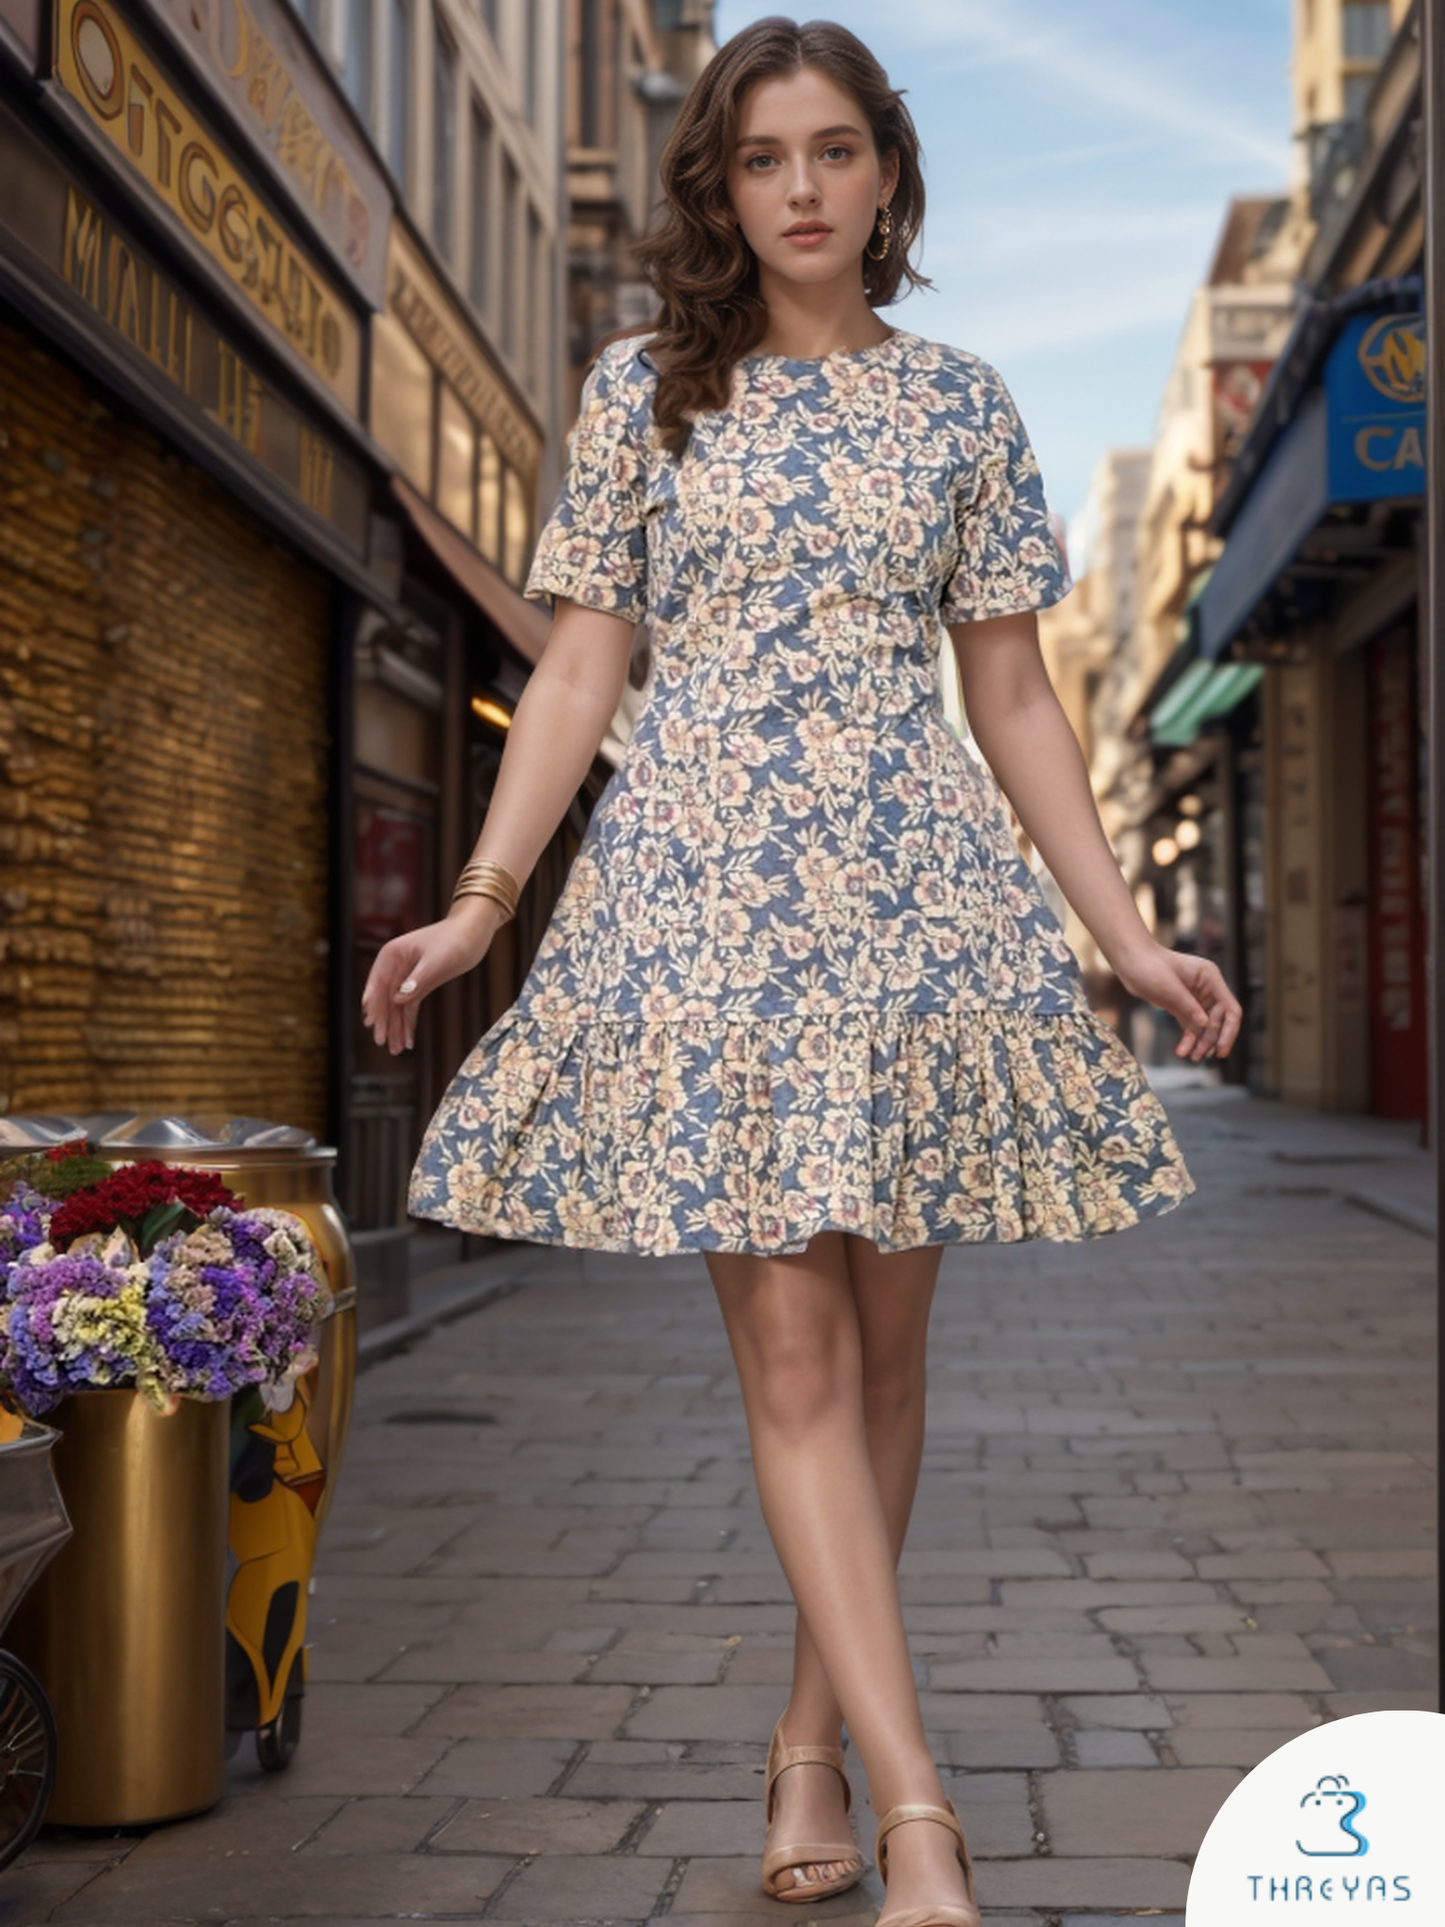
(1078, 161)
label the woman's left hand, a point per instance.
(1194, 993)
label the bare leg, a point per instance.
(892, 1296)
(797, 1338)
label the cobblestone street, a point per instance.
(1177, 1507)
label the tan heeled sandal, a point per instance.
(943, 1915)
(806, 1853)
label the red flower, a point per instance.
(127, 1195)
(76, 1148)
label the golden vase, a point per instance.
(284, 1465)
(125, 1627)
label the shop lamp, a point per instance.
(1188, 834)
(1164, 851)
(491, 712)
(1191, 805)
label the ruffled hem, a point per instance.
(910, 1128)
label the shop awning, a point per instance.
(1337, 445)
(1205, 692)
(524, 625)
(1285, 506)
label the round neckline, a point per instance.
(837, 354)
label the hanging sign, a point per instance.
(1375, 390)
(103, 67)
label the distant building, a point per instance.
(1089, 640)
(630, 65)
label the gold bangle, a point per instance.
(484, 878)
(481, 866)
(480, 890)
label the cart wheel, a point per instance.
(27, 1756)
(277, 1741)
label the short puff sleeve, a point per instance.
(593, 548)
(1009, 559)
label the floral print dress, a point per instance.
(800, 976)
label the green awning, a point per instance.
(1206, 691)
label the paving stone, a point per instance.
(1017, 1744)
(706, 1712)
(684, 1828)
(238, 1826)
(1040, 1675)
(1240, 1710)
(1137, 1565)
(666, 1780)
(527, 1713)
(1381, 1562)
(365, 1710)
(994, 1810)
(498, 1769)
(1104, 1746)
(1170, 1674)
(341, 1766)
(361, 1886)
(1054, 1881)
(1280, 1563)
(537, 1827)
(382, 1826)
(637, 1668)
(582, 1887)
(1228, 1746)
(1132, 1812)
(32, 1888)
(1143, 1711)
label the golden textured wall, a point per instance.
(163, 775)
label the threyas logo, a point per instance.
(1329, 1816)
(1328, 1832)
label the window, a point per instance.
(1367, 29)
(489, 499)
(444, 145)
(512, 288)
(532, 62)
(589, 79)
(479, 278)
(1357, 92)
(398, 91)
(516, 527)
(456, 462)
(356, 63)
(536, 323)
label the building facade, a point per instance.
(281, 379)
(1318, 582)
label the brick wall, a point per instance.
(163, 775)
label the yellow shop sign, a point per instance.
(102, 65)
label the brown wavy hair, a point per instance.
(696, 258)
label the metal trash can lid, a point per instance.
(134, 1131)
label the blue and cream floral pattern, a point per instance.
(800, 976)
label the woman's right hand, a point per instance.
(410, 966)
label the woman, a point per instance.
(801, 1006)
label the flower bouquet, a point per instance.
(149, 1276)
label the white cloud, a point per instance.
(1093, 64)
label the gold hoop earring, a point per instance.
(885, 231)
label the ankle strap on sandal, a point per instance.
(898, 1816)
(781, 1757)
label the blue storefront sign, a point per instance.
(1375, 392)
